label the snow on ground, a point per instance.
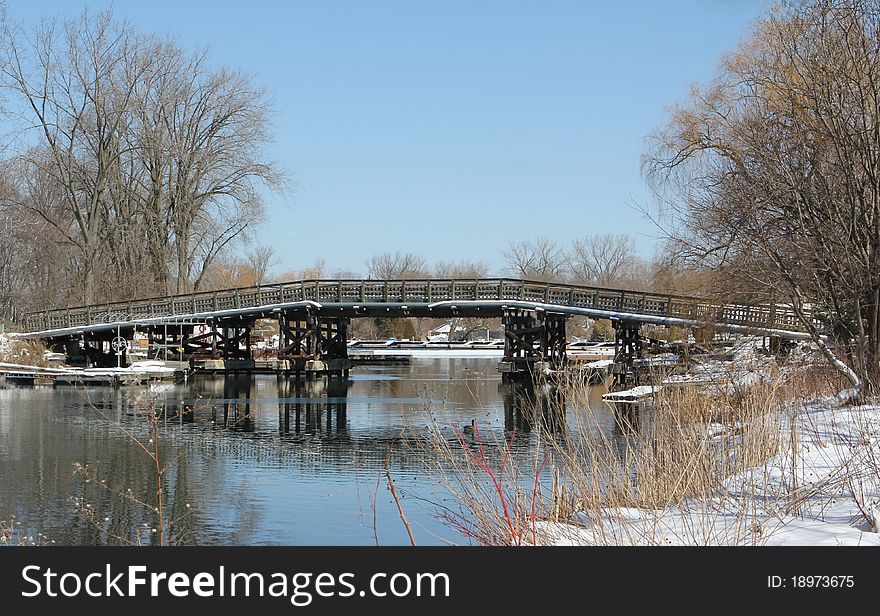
(823, 490)
(602, 363)
(641, 391)
(137, 367)
(148, 368)
(749, 366)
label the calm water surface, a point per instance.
(253, 460)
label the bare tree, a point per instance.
(74, 83)
(539, 259)
(261, 259)
(315, 271)
(397, 266)
(218, 126)
(461, 269)
(461, 328)
(10, 257)
(604, 259)
(35, 259)
(771, 173)
(143, 154)
(345, 274)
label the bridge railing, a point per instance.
(417, 292)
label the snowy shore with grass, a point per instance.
(823, 488)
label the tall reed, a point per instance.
(692, 449)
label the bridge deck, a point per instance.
(440, 298)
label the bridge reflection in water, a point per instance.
(314, 406)
(330, 402)
(320, 407)
(268, 460)
(528, 407)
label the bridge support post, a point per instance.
(781, 348)
(205, 346)
(534, 343)
(314, 345)
(292, 342)
(96, 350)
(328, 344)
(628, 346)
(77, 351)
(171, 341)
(235, 334)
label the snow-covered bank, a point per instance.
(151, 367)
(822, 489)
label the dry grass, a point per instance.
(26, 352)
(490, 503)
(693, 450)
(687, 447)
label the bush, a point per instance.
(397, 328)
(602, 331)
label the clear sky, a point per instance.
(449, 128)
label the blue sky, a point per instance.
(450, 128)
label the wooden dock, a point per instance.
(369, 358)
(137, 374)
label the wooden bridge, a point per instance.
(313, 316)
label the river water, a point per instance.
(253, 460)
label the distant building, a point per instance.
(442, 333)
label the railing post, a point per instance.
(500, 290)
(430, 293)
(363, 293)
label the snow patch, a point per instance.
(833, 469)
